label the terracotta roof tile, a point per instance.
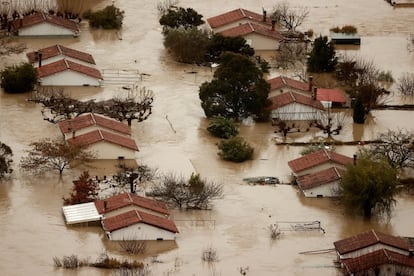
(248, 28)
(59, 50)
(293, 97)
(330, 95)
(317, 158)
(320, 178)
(235, 15)
(63, 65)
(377, 258)
(285, 82)
(39, 17)
(102, 135)
(127, 199)
(133, 217)
(369, 238)
(91, 119)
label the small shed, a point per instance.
(81, 213)
(345, 38)
(324, 183)
(330, 97)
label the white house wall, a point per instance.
(260, 42)
(325, 190)
(141, 231)
(69, 78)
(370, 249)
(130, 208)
(45, 29)
(60, 57)
(296, 112)
(106, 150)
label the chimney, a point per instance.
(105, 204)
(273, 24)
(264, 15)
(310, 83)
(411, 252)
(355, 159)
(39, 55)
(314, 93)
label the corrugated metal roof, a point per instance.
(78, 213)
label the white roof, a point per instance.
(79, 213)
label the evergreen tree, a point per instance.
(359, 112)
(323, 56)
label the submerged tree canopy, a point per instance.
(6, 160)
(180, 17)
(19, 78)
(237, 91)
(369, 186)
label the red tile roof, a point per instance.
(63, 65)
(317, 158)
(320, 178)
(248, 28)
(39, 17)
(91, 119)
(127, 199)
(235, 15)
(58, 50)
(102, 135)
(285, 82)
(375, 259)
(293, 97)
(133, 217)
(369, 238)
(330, 95)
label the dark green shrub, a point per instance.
(180, 17)
(108, 18)
(222, 127)
(19, 78)
(235, 149)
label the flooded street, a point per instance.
(175, 139)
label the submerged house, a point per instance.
(292, 106)
(137, 225)
(259, 37)
(324, 183)
(58, 52)
(43, 24)
(370, 241)
(318, 161)
(125, 202)
(282, 84)
(88, 122)
(235, 18)
(106, 145)
(68, 73)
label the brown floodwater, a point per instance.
(174, 140)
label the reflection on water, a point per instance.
(33, 230)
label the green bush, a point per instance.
(108, 18)
(222, 127)
(19, 78)
(235, 149)
(347, 29)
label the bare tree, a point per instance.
(164, 5)
(331, 123)
(56, 106)
(406, 84)
(397, 147)
(288, 17)
(193, 194)
(55, 155)
(291, 54)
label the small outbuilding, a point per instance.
(324, 183)
(345, 38)
(137, 225)
(43, 24)
(330, 97)
(68, 73)
(81, 213)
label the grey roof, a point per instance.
(78, 213)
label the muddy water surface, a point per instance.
(174, 139)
